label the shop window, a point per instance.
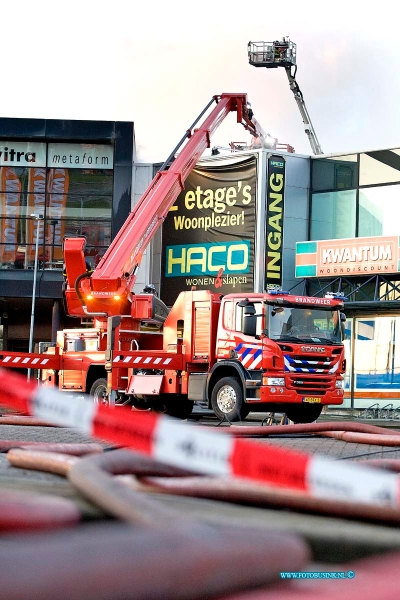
(333, 215)
(379, 211)
(338, 173)
(79, 207)
(376, 357)
(84, 181)
(19, 173)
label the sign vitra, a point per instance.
(274, 221)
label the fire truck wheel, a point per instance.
(227, 399)
(303, 413)
(98, 391)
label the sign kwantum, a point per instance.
(347, 257)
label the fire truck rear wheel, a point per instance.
(98, 391)
(227, 399)
(303, 413)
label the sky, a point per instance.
(159, 63)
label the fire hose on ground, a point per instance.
(170, 568)
(205, 452)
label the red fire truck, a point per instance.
(235, 354)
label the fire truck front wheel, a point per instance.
(227, 400)
(98, 391)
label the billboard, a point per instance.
(208, 235)
(354, 256)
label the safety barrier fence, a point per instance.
(200, 450)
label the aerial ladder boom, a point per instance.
(106, 291)
(283, 54)
(308, 126)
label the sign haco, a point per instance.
(208, 235)
(356, 256)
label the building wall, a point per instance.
(297, 191)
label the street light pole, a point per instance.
(37, 218)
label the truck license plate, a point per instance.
(311, 399)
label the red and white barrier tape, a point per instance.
(200, 450)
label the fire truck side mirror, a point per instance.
(342, 317)
(249, 320)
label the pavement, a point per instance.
(332, 539)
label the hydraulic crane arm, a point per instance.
(106, 291)
(308, 127)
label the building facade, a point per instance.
(58, 179)
(354, 230)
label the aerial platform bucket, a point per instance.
(272, 54)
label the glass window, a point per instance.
(376, 355)
(333, 215)
(380, 166)
(72, 202)
(379, 211)
(97, 233)
(338, 173)
(304, 322)
(228, 314)
(79, 207)
(83, 181)
(18, 173)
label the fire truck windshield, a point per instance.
(317, 325)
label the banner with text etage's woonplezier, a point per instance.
(208, 235)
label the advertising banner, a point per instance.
(208, 235)
(10, 201)
(35, 205)
(346, 257)
(274, 221)
(57, 187)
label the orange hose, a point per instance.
(26, 511)
(229, 489)
(260, 431)
(364, 438)
(50, 462)
(196, 561)
(75, 449)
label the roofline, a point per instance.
(339, 154)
